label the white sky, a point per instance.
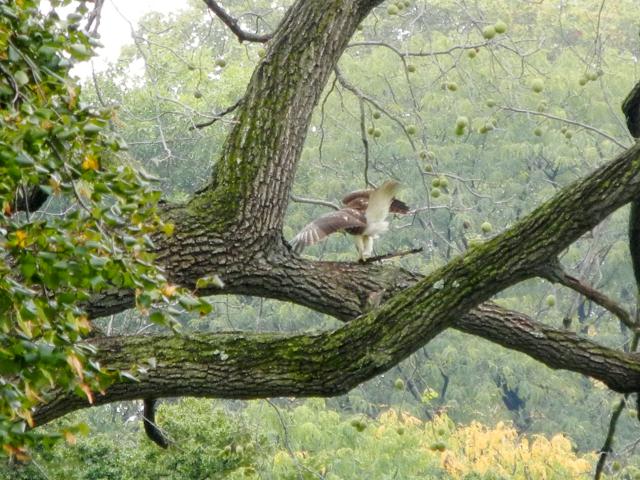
(115, 30)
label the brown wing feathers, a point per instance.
(360, 200)
(344, 219)
(351, 219)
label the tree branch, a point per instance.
(558, 275)
(217, 116)
(232, 23)
(257, 365)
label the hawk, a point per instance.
(363, 215)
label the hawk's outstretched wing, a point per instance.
(346, 219)
(360, 201)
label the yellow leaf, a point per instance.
(21, 235)
(84, 324)
(31, 394)
(169, 290)
(87, 391)
(90, 162)
(73, 96)
(26, 415)
(75, 363)
(54, 183)
(18, 452)
(69, 437)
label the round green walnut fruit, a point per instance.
(411, 129)
(563, 130)
(444, 182)
(435, 192)
(191, 67)
(489, 32)
(452, 86)
(371, 130)
(568, 135)
(491, 103)
(377, 133)
(583, 81)
(407, 3)
(486, 227)
(400, 430)
(462, 122)
(537, 132)
(500, 27)
(615, 466)
(441, 431)
(400, 5)
(411, 68)
(376, 115)
(471, 54)
(537, 85)
(550, 301)
(435, 183)
(423, 154)
(392, 10)
(399, 384)
(21, 78)
(428, 168)
(459, 131)
(221, 62)
(592, 76)
(262, 52)
(197, 94)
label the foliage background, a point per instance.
(479, 131)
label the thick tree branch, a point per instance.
(258, 365)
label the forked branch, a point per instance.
(233, 25)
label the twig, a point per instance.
(617, 411)
(393, 255)
(93, 20)
(557, 274)
(362, 96)
(417, 54)
(365, 142)
(232, 23)
(217, 116)
(570, 122)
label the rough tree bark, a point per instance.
(233, 228)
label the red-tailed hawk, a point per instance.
(364, 215)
